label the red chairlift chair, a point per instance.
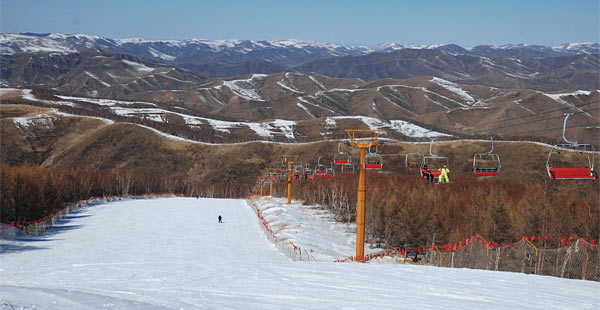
(415, 160)
(341, 158)
(347, 169)
(571, 173)
(320, 169)
(330, 172)
(308, 173)
(373, 161)
(486, 164)
(433, 163)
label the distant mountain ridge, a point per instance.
(579, 71)
(117, 75)
(277, 52)
(94, 73)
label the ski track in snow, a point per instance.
(171, 253)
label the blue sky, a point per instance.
(466, 23)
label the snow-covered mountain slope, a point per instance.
(172, 253)
(194, 51)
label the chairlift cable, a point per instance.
(545, 112)
(531, 122)
(540, 113)
(556, 128)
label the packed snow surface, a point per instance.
(171, 253)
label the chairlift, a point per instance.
(281, 168)
(329, 171)
(347, 169)
(298, 170)
(320, 169)
(415, 160)
(586, 151)
(341, 158)
(433, 163)
(486, 164)
(373, 161)
(308, 173)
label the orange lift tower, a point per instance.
(271, 172)
(261, 179)
(362, 139)
(290, 160)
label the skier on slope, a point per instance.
(220, 219)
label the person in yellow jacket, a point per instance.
(444, 174)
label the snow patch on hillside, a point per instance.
(139, 67)
(95, 77)
(105, 102)
(221, 126)
(288, 87)
(301, 106)
(301, 99)
(400, 126)
(560, 98)
(160, 55)
(269, 129)
(314, 79)
(246, 88)
(28, 95)
(40, 120)
(454, 88)
(426, 94)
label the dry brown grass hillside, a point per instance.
(61, 141)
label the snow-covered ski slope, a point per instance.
(171, 253)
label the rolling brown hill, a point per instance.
(43, 137)
(440, 109)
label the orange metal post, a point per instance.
(360, 208)
(261, 188)
(289, 182)
(290, 159)
(271, 172)
(362, 188)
